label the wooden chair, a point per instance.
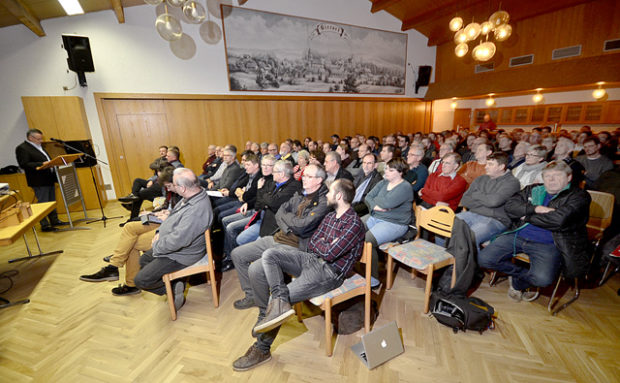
(204, 265)
(352, 287)
(421, 255)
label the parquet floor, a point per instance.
(74, 331)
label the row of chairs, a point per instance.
(420, 255)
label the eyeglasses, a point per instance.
(309, 176)
(532, 155)
(268, 165)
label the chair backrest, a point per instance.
(209, 248)
(601, 210)
(438, 219)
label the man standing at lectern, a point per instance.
(30, 155)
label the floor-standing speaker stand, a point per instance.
(103, 218)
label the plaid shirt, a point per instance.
(339, 241)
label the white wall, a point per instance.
(132, 58)
(443, 114)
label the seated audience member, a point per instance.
(473, 169)
(211, 160)
(215, 169)
(232, 171)
(466, 149)
(335, 141)
(264, 148)
(549, 225)
(326, 146)
(333, 250)
(244, 190)
(593, 161)
(429, 151)
(255, 148)
(563, 150)
(317, 157)
(506, 145)
(403, 145)
(149, 194)
(285, 153)
(386, 154)
(303, 159)
(135, 237)
(296, 219)
(445, 188)
(355, 167)
(485, 199)
(549, 142)
(334, 169)
(296, 149)
(180, 240)
(445, 148)
(312, 146)
(518, 155)
(345, 155)
(417, 173)
(391, 204)
(530, 172)
(149, 189)
(365, 182)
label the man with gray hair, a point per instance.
(333, 168)
(297, 219)
(180, 240)
(232, 172)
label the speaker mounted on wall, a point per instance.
(424, 76)
(80, 59)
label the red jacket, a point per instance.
(445, 189)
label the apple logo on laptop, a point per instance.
(383, 343)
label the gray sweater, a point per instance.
(181, 235)
(487, 196)
(398, 202)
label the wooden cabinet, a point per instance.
(607, 112)
(62, 117)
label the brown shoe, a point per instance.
(252, 358)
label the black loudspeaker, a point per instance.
(424, 76)
(80, 59)
(85, 146)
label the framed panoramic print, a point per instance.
(279, 53)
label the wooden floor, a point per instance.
(74, 331)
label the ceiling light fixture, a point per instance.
(599, 93)
(490, 101)
(538, 97)
(454, 104)
(71, 7)
(485, 50)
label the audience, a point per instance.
(593, 161)
(530, 172)
(473, 169)
(334, 169)
(365, 182)
(417, 172)
(445, 188)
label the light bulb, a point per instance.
(483, 51)
(461, 49)
(460, 37)
(472, 30)
(486, 27)
(455, 24)
(498, 18)
(503, 32)
(454, 104)
(599, 93)
(490, 101)
(537, 98)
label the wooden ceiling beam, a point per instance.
(24, 15)
(118, 10)
(517, 9)
(444, 9)
(379, 5)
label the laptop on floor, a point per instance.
(379, 345)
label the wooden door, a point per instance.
(462, 118)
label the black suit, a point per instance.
(360, 207)
(41, 181)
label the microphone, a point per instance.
(57, 140)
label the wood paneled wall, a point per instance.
(135, 125)
(589, 24)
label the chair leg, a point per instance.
(390, 272)
(429, 287)
(170, 295)
(573, 299)
(367, 311)
(216, 298)
(605, 277)
(328, 326)
(298, 311)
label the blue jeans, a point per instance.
(484, 227)
(233, 225)
(250, 234)
(545, 260)
(382, 232)
(313, 277)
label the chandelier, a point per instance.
(496, 27)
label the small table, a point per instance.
(8, 235)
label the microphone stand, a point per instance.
(92, 174)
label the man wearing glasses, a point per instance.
(364, 183)
(296, 220)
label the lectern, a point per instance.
(68, 182)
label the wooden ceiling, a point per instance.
(431, 17)
(31, 12)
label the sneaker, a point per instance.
(58, 222)
(530, 295)
(108, 273)
(107, 259)
(245, 303)
(252, 358)
(513, 293)
(278, 312)
(125, 290)
(179, 298)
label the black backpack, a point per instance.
(462, 312)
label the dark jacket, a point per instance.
(567, 223)
(29, 158)
(229, 176)
(462, 246)
(250, 193)
(305, 225)
(360, 207)
(271, 202)
(212, 167)
(343, 173)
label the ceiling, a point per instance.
(31, 12)
(431, 17)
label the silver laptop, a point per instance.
(379, 345)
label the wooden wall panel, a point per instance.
(62, 117)
(135, 125)
(40, 115)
